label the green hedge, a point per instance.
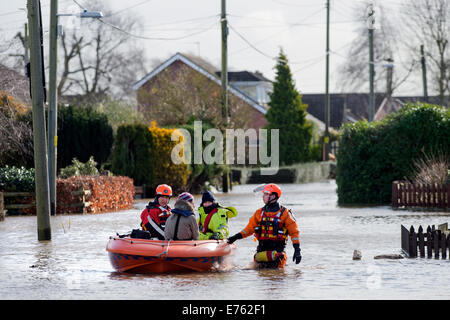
(131, 154)
(82, 133)
(144, 154)
(372, 155)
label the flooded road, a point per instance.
(75, 264)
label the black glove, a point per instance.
(215, 236)
(232, 239)
(297, 256)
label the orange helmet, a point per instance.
(164, 190)
(272, 188)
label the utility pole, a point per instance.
(224, 78)
(370, 25)
(39, 136)
(424, 74)
(53, 105)
(326, 138)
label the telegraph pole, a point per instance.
(326, 139)
(424, 74)
(224, 78)
(53, 105)
(370, 25)
(39, 136)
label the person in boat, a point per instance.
(271, 225)
(213, 218)
(156, 213)
(182, 224)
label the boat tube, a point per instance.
(163, 256)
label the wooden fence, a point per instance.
(436, 242)
(139, 191)
(11, 205)
(409, 195)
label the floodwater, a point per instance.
(75, 264)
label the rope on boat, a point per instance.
(163, 244)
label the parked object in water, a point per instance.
(389, 256)
(357, 255)
(162, 256)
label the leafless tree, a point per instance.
(427, 22)
(101, 57)
(354, 72)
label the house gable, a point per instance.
(179, 57)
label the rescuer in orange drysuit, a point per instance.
(271, 225)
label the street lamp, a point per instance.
(53, 96)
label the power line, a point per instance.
(155, 38)
(128, 8)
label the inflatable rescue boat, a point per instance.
(163, 256)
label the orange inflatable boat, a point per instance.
(161, 256)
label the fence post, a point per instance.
(448, 243)
(444, 245)
(429, 242)
(2, 207)
(412, 243)
(421, 242)
(436, 243)
(405, 240)
(394, 194)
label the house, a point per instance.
(351, 107)
(253, 84)
(182, 74)
(185, 82)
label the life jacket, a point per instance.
(157, 224)
(204, 228)
(271, 227)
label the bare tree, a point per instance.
(427, 22)
(101, 57)
(354, 72)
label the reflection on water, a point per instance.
(75, 264)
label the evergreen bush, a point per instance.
(144, 154)
(15, 179)
(82, 133)
(372, 155)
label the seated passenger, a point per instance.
(213, 218)
(182, 224)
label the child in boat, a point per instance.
(213, 218)
(155, 215)
(182, 225)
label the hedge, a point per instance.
(106, 194)
(144, 154)
(82, 133)
(372, 155)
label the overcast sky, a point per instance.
(258, 28)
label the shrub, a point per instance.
(164, 170)
(16, 137)
(202, 173)
(144, 154)
(80, 169)
(131, 154)
(431, 169)
(372, 155)
(16, 179)
(82, 133)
